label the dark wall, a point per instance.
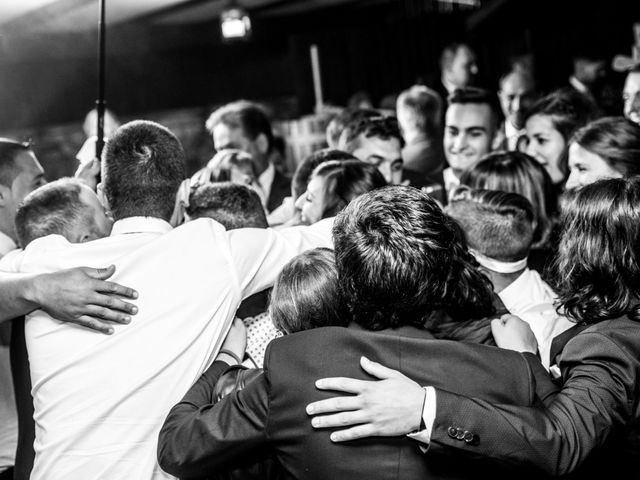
(377, 46)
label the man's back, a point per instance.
(295, 363)
(270, 411)
(100, 400)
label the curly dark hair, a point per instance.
(598, 264)
(400, 258)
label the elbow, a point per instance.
(173, 455)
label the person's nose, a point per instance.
(572, 181)
(531, 149)
(300, 201)
(459, 143)
(515, 104)
(633, 112)
(385, 170)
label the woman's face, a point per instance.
(586, 167)
(311, 203)
(545, 144)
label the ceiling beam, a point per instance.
(41, 17)
(178, 7)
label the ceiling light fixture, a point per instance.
(235, 23)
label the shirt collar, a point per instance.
(140, 225)
(6, 244)
(450, 180)
(512, 292)
(578, 85)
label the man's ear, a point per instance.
(262, 143)
(101, 196)
(5, 195)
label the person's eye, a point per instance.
(396, 167)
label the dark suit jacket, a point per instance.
(200, 439)
(280, 188)
(595, 417)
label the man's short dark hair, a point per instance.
(302, 175)
(347, 117)
(9, 149)
(143, 166)
(54, 208)
(497, 224)
(400, 258)
(385, 128)
(478, 96)
(248, 116)
(231, 204)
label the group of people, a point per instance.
(452, 291)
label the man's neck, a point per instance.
(7, 227)
(448, 84)
(502, 280)
(414, 136)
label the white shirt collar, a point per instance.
(6, 244)
(140, 225)
(450, 180)
(578, 85)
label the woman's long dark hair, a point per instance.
(598, 264)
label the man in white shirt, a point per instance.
(499, 229)
(516, 91)
(244, 126)
(470, 126)
(100, 400)
(20, 173)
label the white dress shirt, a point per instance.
(530, 298)
(100, 400)
(8, 415)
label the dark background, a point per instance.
(381, 46)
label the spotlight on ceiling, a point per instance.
(235, 23)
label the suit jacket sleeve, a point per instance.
(598, 395)
(199, 437)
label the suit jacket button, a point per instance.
(471, 438)
(460, 434)
(452, 431)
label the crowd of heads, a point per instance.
(401, 254)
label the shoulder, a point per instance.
(612, 344)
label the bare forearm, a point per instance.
(18, 294)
